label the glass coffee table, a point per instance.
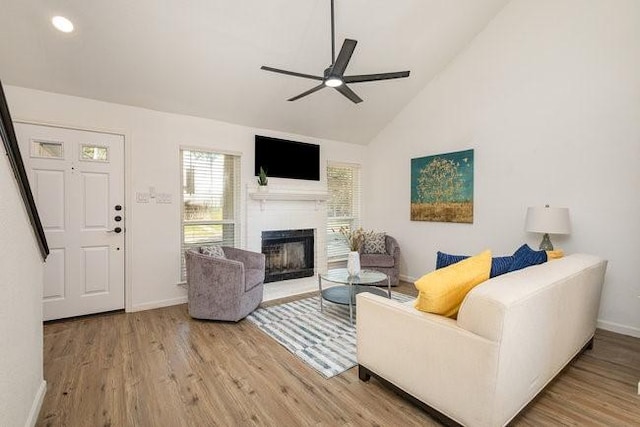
(346, 295)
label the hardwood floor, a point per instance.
(162, 368)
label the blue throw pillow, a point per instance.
(445, 260)
(499, 265)
(526, 257)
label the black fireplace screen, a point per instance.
(289, 254)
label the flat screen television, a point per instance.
(281, 158)
(8, 136)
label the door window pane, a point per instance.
(47, 149)
(95, 153)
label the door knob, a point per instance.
(115, 230)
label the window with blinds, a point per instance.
(210, 200)
(343, 206)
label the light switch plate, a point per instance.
(142, 197)
(163, 198)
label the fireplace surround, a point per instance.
(289, 207)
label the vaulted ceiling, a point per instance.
(203, 57)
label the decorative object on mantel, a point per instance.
(262, 180)
(355, 238)
(547, 220)
(442, 187)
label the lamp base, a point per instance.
(546, 245)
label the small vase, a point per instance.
(353, 263)
(262, 188)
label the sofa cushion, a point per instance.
(375, 243)
(214, 251)
(376, 260)
(443, 290)
(526, 257)
(499, 265)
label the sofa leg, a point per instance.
(589, 345)
(363, 373)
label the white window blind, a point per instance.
(343, 206)
(210, 200)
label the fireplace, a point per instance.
(289, 254)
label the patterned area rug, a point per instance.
(324, 340)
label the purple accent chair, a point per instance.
(224, 288)
(388, 263)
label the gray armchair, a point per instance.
(388, 263)
(224, 288)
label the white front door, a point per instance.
(77, 180)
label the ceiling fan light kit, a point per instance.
(333, 82)
(334, 74)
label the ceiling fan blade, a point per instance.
(291, 73)
(374, 77)
(344, 89)
(309, 92)
(343, 57)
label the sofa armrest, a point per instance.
(428, 356)
(393, 248)
(249, 259)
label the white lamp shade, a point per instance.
(548, 220)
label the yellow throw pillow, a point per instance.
(558, 253)
(442, 291)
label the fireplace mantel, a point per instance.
(282, 195)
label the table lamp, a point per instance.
(548, 221)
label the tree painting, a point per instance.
(442, 187)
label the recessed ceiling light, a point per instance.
(62, 24)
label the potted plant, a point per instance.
(262, 180)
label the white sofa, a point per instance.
(514, 333)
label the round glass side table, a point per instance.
(346, 295)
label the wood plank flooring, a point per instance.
(162, 368)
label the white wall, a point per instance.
(152, 141)
(548, 95)
(22, 385)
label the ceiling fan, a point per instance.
(334, 74)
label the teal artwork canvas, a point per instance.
(442, 187)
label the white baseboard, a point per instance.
(621, 329)
(37, 405)
(409, 279)
(158, 304)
